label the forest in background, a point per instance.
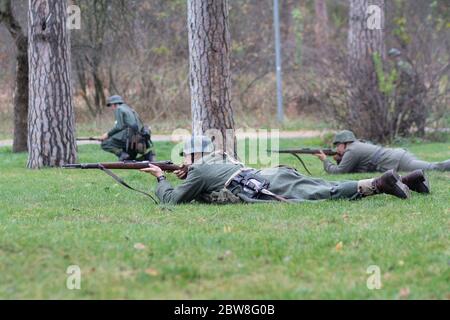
(139, 49)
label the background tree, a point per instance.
(21, 82)
(365, 43)
(210, 77)
(51, 124)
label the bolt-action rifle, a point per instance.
(106, 167)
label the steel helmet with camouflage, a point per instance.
(197, 144)
(344, 137)
(114, 100)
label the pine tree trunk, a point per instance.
(51, 125)
(21, 81)
(21, 97)
(367, 104)
(321, 25)
(210, 78)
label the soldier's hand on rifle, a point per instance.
(153, 170)
(322, 156)
(181, 174)
(337, 158)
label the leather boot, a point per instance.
(417, 181)
(149, 156)
(388, 183)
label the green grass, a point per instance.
(51, 219)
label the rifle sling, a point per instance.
(303, 163)
(123, 183)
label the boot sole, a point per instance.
(404, 188)
(426, 184)
(401, 187)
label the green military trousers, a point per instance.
(114, 146)
(410, 163)
(292, 185)
(118, 146)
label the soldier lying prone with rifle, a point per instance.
(359, 156)
(215, 177)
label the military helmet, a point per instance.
(393, 52)
(114, 100)
(344, 137)
(197, 144)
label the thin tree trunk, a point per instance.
(21, 81)
(50, 118)
(210, 78)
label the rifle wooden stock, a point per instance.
(167, 166)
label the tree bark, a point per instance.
(210, 78)
(287, 29)
(51, 122)
(21, 81)
(321, 25)
(367, 104)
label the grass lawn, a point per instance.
(128, 248)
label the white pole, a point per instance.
(276, 16)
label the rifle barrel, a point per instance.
(88, 139)
(126, 165)
(328, 152)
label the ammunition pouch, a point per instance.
(138, 141)
(247, 183)
(224, 196)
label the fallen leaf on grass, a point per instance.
(345, 217)
(227, 229)
(152, 272)
(404, 293)
(139, 246)
(339, 246)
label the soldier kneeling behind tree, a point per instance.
(129, 138)
(215, 177)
